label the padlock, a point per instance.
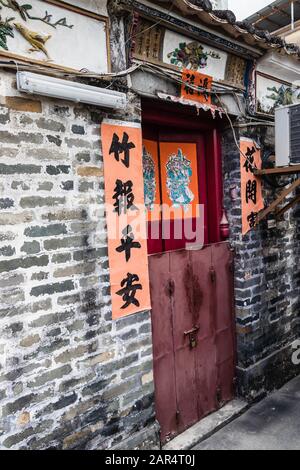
(193, 342)
(192, 334)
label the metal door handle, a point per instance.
(192, 332)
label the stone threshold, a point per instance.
(208, 426)
(145, 439)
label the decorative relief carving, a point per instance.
(46, 31)
(24, 12)
(158, 44)
(191, 55)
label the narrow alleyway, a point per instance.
(273, 424)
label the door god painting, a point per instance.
(149, 179)
(179, 174)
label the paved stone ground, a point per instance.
(273, 424)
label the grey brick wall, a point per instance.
(266, 281)
(69, 376)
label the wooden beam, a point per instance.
(263, 214)
(287, 170)
(280, 212)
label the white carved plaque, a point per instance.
(55, 34)
(185, 52)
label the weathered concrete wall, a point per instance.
(96, 6)
(69, 376)
(266, 281)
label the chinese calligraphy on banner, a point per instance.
(251, 189)
(198, 80)
(126, 217)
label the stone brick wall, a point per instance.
(266, 281)
(69, 376)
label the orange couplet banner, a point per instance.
(194, 79)
(251, 188)
(126, 217)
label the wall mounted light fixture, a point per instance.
(52, 87)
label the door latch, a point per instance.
(192, 334)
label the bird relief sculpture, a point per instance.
(179, 174)
(10, 26)
(37, 40)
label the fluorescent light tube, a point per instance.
(71, 91)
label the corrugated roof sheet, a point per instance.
(275, 16)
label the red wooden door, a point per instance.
(191, 291)
(193, 373)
